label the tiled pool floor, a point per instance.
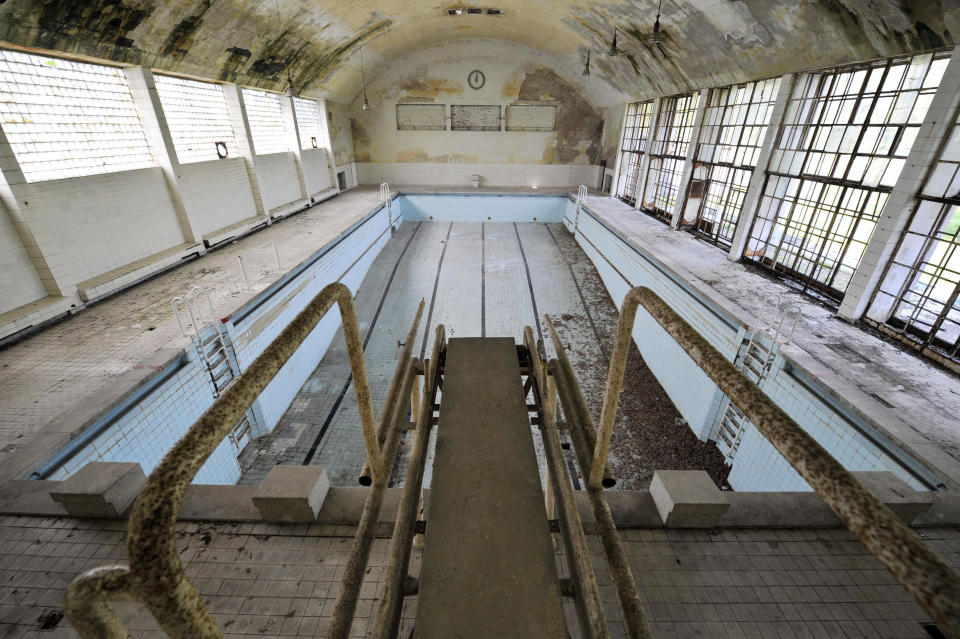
(477, 279)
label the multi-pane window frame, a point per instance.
(927, 258)
(846, 185)
(633, 146)
(310, 123)
(266, 120)
(197, 118)
(668, 155)
(731, 137)
(65, 118)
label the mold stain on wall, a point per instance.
(577, 138)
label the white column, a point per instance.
(293, 136)
(751, 201)
(677, 214)
(143, 88)
(327, 143)
(645, 162)
(896, 212)
(615, 184)
(39, 240)
(241, 129)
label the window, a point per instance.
(734, 124)
(918, 296)
(265, 116)
(421, 117)
(468, 117)
(531, 117)
(196, 113)
(668, 154)
(66, 119)
(309, 123)
(845, 138)
(632, 148)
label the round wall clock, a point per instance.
(476, 79)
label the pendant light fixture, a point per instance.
(655, 37)
(586, 67)
(613, 52)
(363, 81)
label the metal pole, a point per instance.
(353, 577)
(393, 394)
(391, 600)
(578, 415)
(243, 273)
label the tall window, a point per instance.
(66, 119)
(197, 115)
(734, 125)
(845, 138)
(668, 154)
(632, 148)
(309, 123)
(919, 293)
(266, 122)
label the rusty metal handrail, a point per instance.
(155, 575)
(918, 569)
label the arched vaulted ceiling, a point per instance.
(705, 42)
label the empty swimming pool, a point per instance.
(485, 265)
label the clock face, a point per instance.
(476, 79)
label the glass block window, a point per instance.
(265, 116)
(918, 296)
(845, 138)
(668, 154)
(197, 116)
(66, 119)
(421, 117)
(531, 117)
(632, 148)
(310, 123)
(475, 117)
(734, 125)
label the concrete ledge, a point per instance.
(292, 493)
(100, 489)
(904, 501)
(130, 274)
(234, 231)
(687, 498)
(32, 314)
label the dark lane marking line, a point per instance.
(366, 340)
(433, 298)
(533, 298)
(583, 300)
(483, 283)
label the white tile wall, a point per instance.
(279, 182)
(97, 223)
(316, 170)
(147, 431)
(216, 194)
(457, 174)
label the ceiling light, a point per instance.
(655, 37)
(363, 80)
(494, 12)
(474, 11)
(454, 12)
(586, 67)
(613, 46)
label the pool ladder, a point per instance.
(770, 333)
(214, 352)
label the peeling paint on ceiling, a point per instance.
(705, 42)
